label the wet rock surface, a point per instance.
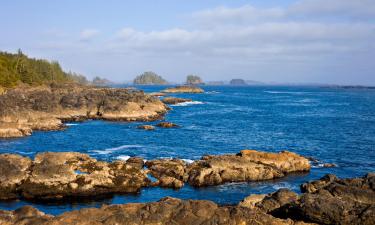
(166, 211)
(47, 107)
(248, 165)
(184, 89)
(173, 100)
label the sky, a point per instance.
(284, 41)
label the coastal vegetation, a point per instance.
(193, 80)
(149, 78)
(19, 68)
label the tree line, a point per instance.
(19, 68)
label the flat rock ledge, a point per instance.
(184, 89)
(48, 107)
(53, 175)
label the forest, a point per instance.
(19, 68)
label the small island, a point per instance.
(237, 82)
(149, 78)
(194, 80)
(184, 89)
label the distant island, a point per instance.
(18, 69)
(149, 78)
(194, 80)
(237, 82)
(101, 81)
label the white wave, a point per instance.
(123, 157)
(110, 150)
(188, 161)
(282, 185)
(189, 103)
(71, 124)
(213, 92)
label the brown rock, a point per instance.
(14, 170)
(67, 174)
(249, 165)
(169, 172)
(167, 125)
(166, 211)
(173, 100)
(45, 108)
(184, 89)
(146, 127)
(335, 201)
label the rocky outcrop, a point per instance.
(47, 107)
(184, 89)
(173, 100)
(249, 165)
(270, 202)
(166, 211)
(331, 200)
(71, 174)
(14, 170)
(169, 172)
(146, 127)
(67, 174)
(167, 125)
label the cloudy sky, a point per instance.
(309, 41)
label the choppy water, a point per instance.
(332, 125)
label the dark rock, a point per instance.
(167, 125)
(173, 100)
(184, 89)
(334, 201)
(146, 127)
(166, 211)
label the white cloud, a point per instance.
(248, 39)
(88, 34)
(335, 8)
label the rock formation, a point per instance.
(184, 89)
(70, 174)
(166, 211)
(67, 174)
(173, 100)
(249, 165)
(167, 125)
(47, 107)
(146, 127)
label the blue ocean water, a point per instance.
(331, 125)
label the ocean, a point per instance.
(332, 125)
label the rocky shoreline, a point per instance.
(59, 175)
(23, 110)
(329, 200)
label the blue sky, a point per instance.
(310, 41)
